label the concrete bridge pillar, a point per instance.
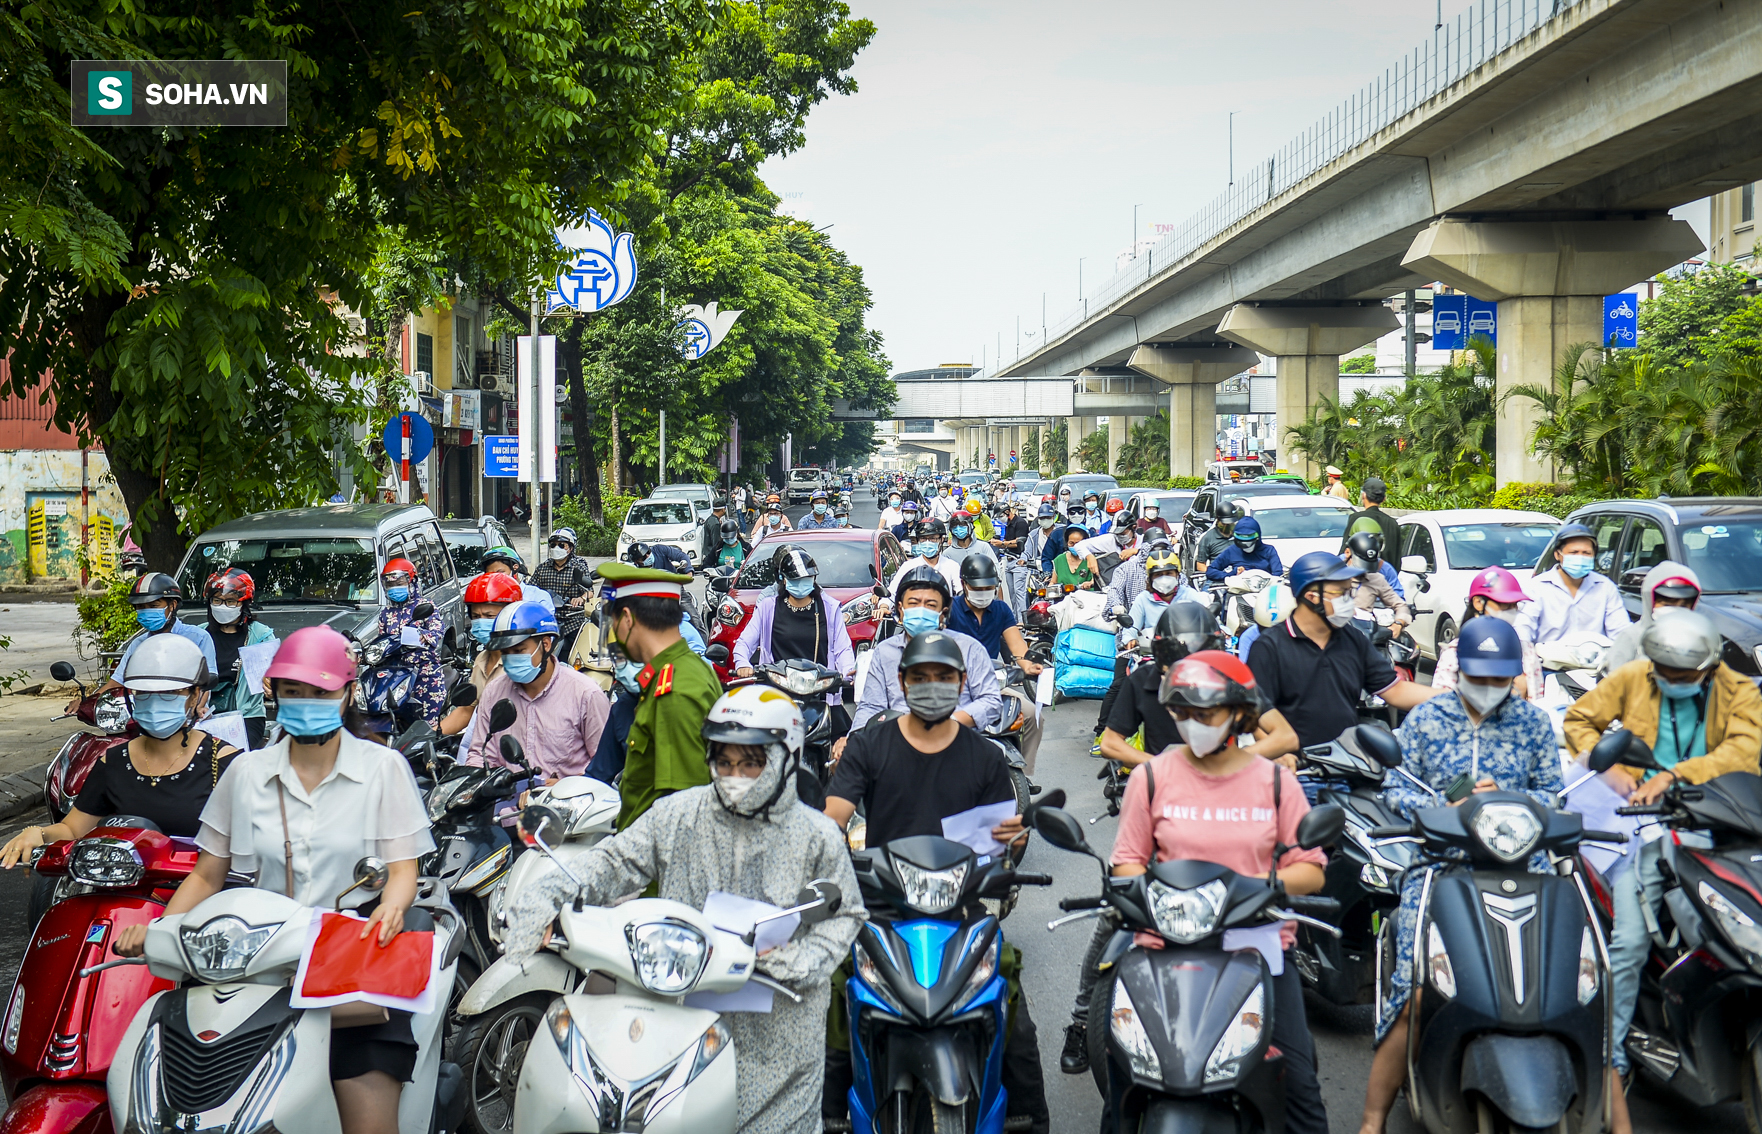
(1116, 436)
(1192, 375)
(1307, 343)
(1549, 279)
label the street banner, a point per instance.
(544, 422)
(705, 328)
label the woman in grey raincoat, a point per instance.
(748, 834)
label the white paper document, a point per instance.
(972, 828)
(1596, 801)
(254, 663)
(229, 727)
(751, 997)
(410, 636)
(1262, 937)
(734, 914)
(1043, 688)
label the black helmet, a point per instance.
(929, 529)
(638, 554)
(979, 570)
(152, 587)
(922, 576)
(794, 563)
(1367, 546)
(1235, 508)
(1184, 628)
(730, 527)
(934, 648)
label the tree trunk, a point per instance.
(617, 453)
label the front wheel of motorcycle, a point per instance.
(490, 1048)
(923, 1113)
(1751, 1090)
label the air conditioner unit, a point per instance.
(495, 384)
(423, 382)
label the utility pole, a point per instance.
(1080, 260)
(1134, 245)
(1412, 320)
(536, 432)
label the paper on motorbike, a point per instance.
(1265, 938)
(254, 662)
(1595, 801)
(972, 828)
(410, 636)
(229, 727)
(735, 914)
(365, 976)
(1045, 686)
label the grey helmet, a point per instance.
(1681, 639)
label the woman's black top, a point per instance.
(173, 802)
(799, 633)
(226, 648)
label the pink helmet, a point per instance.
(1498, 584)
(316, 655)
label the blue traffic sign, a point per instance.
(1621, 320)
(421, 437)
(501, 456)
(1456, 319)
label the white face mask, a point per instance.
(1339, 610)
(1483, 699)
(1204, 739)
(558, 554)
(1164, 584)
(1151, 513)
(225, 615)
(734, 788)
(979, 600)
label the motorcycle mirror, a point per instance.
(1060, 828)
(1321, 826)
(1621, 747)
(821, 899)
(721, 583)
(538, 825)
(465, 694)
(513, 753)
(502, 715)
(1053, 798)
(423, 610)
(1380, 744)
(873, 574)
(879, 591)
(62, 671)
(371, 873)
(717, 652)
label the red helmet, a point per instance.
(232, 583)
(1116, 505)
(1205, 679)
(1498, 584)
(316, 655)
(493, 586)
(399, 564)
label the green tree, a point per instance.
(1031, 449)
(1092, 451)
(1145, 453)
(1683, 323)
(1359, 364)
(1054, 449)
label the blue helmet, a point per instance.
(1489, 647)
(1247, 530)
(1318, 567)
(520, 621)
(1047, 512)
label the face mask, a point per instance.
(558, 554)
(1046, 524)
(1675, 691)
(1164, 584)
(961, 531)
(893, 501)
(773, 521)
(225, 615)
(1509, 617)
(1150, 513)
(1483, 699)
(1338, 611)
(625, 672)
(520, 668)
(1578, 566)
(799, 588)
(979, 600)
(920, 620)
(309, 716)
(397, 594)
(160, 714)
(819, 509)
(933, 701)
(733, 788)
(480, 628)
(1248, 546)
(928, 548)
(1204, 739)
(151, 620)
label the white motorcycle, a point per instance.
(1239, 591)
(501, 1012)
(637, 1057)
(229, 1054)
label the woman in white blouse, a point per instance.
(330, 799)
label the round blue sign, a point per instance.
(421, 437)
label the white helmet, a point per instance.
(1681, 639)
(756, 714)
(165, 663)
(1274, 604)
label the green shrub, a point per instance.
(595, 539)
(106, 618)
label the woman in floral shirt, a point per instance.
(1503, 743)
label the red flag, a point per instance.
(343, 963)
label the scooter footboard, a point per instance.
(1528, 1079)
(1187, 1116)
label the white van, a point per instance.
(803, 483)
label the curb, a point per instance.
(22, 792)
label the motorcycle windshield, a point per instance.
(1185, 1000)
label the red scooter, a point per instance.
(69, 1007)
(68, 770)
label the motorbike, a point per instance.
(808, 684)
(1402, 654)
(1509, 1003)
(69, 767)
(65, 1017)
(1694, 1029)
(1238, 591)
(1575, 662)
(226, 1050)
(1113, 774)
(928, 1009)
(640, 1057)
(387, 677)
(1178, 1036)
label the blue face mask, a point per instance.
(309, 716)
(480, 628)
(920, 620)
(1677, 692)
(962, 532)
(151, 620)
(928, 548)
(160, 714)
(819, 509)
(625, 672)
(520, 668)
(1578, 566)
(398, 594)
(799, 588)
(730, 540)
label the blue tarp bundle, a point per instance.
(1084, 661)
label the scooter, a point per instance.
(1402, 654)
(70, 766)
(1239, 590)
(226, 1050)
(388, 675)
(1178, 1036)
(65, 1017)
(638, 1058)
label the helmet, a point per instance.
(774, 505)
(165, 663)
(842, 509)
(232, 583)
(1161, 557)
(502, 553)
(934, 648)
(730, 527)
(492, 586)
(1367, 546)
(1680, 639)
(1046, 512)
(1247, 530)
(563, 535)
(973, 507)
(1273, 605)
(1571, 531)
(1207, 678)
(924, 576)
(1116, 505)
(1235, 509)
(638, 554)
(1064, 490)
(1677, 587)
(519, 622)
(1498, 584)
(400, 564)
(1079, 528)
(909, 506)
(1184, 628)
(152, 587)
(1091, 494)
(719, 502)
(818, 494)
(755, 714)
(929, 529)
(1320, 567)
(794, 563)
(1489, 647)
(316, 655)
(980, 570)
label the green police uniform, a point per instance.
(665, 752)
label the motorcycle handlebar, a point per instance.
(1325, 908)
(1602, 836)
(1021, 879)
(1092, 903)
(1641, 809)
(1389, 832)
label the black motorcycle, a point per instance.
(387, 680)
(1180, 1038)
(808, 684)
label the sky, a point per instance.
(992, 144)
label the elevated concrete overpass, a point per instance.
(1528, 154)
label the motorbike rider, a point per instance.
(1221, 535)
(891, 516)
(732, 548)
(163, 775)
(965, 537)
(664, 753)
(1150, 520)
(978, 613)
(983, 529)
(1572, 597)
(1313, 666)
(1371, 495)
(1502, 743)
(232, 624)
(1112, 516)
(559, 712)
(745, 833)
(1066, 505)
(332, 799)
(1075, 568)
(1213, 698)
(1667, 585)
(1380, 565)
(1495, 592)
(819, 513)
(1702, 719)
(485, 597)
(775, 521)
(1015, 529)
(801, 622)
(841, 515)
(420, 638)
(1127, 588)
(942, 505)
(909, 513)
(911, 772)
(156, 597)
(504, 560)
(660, 556)
(1272, 606)
(569, 579)
(1373, 589)
(927, 552)
(1247, 552)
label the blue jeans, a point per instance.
(1638, 892)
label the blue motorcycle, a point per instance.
(928, 1009)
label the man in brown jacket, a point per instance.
(1702, 719)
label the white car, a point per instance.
(660, 519)
(1449, 548)
(1297, 525)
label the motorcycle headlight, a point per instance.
(374, 652)
(441, 797)
(1438, 961)
(983, 971)
(110, 713)
(144, 1089)
(221, 949)
(858, 610)
(1186, 916)
(1238, 1040)
(1508, 831)
(401, 690)
(14, 1019)
(803, 682)
(728, 612)
(1129, 1032)
(669, 956)
(931, 892)
(105, 862)
(1587, 967)
(1739, 927)
(1374, 877)
(856, 836)
(871, 974)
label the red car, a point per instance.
(851, 560)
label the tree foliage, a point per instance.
(1359, 364)
(1031, 449)
(1054, 448)
(1145, 453)
(1092, 450)
(1686, 321)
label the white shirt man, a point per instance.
(942, 507)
